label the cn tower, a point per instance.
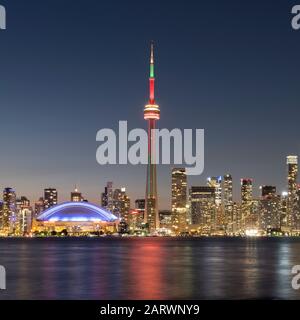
(151, 114)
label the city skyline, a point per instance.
(256, 190)
(62, 99)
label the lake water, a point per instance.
(149, 268)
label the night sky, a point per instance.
(69, 68)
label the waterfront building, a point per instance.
(1, 214)
(26, 220)
(216, 183)
(267, 191)
(246, 201)
(39, 207)
(227, 202)
(220, 223)
(179, 200)
(237, 225)
(76, 196)
(136, 216)
(202, 206)
(166, 219)
(284, 223)
(293, 211)
(50, 198)
(9, 212)
(121, 204)
(76, 218)
(269, 212)
(24, 216)
(107, 197)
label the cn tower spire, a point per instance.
(152, 60)
(152, 76)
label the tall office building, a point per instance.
(151, 114)
(247, 201)
(235, 228)
(1, 215)
(107, 197)
(121, 204)
(179, 199)
(140, 204)
(246, 191)
(284, 223)
(216, 182)
(220, 225)
(50, 198)
(39, 207)
(267, 191)
(293, 210)
(166, 219)
(9, 212)
(25, 216)
(228, 202)
(269, 210)
(202, 206)
(136, 215)
(76, 195)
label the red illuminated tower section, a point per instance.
(151, 114)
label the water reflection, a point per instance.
(152, 268)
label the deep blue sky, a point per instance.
(69, 68)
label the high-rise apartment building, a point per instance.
(202, 207)
(76, 195)
(246, 201)
(9, 211)
(107, 197)
(50, 198)
(293, 210)
(179, 199)
(121, 204)
(227, 202)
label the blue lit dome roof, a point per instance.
(77, 212)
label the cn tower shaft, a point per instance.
(151, 114)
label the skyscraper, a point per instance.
(246, 191)
(219, 223)
(216, 182)
(151, 114)
(268, 191)
(269, 209)
(284, 223)
(136, 216)
(25, 216)
(202, 206)
(1, 215)
(9, 212)
(121, 204)
(228, 201)
(292, 209)
(39, 207)
(107, 197)
(76, 196)
(247, 201)
(179, 199)
(50, 198)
